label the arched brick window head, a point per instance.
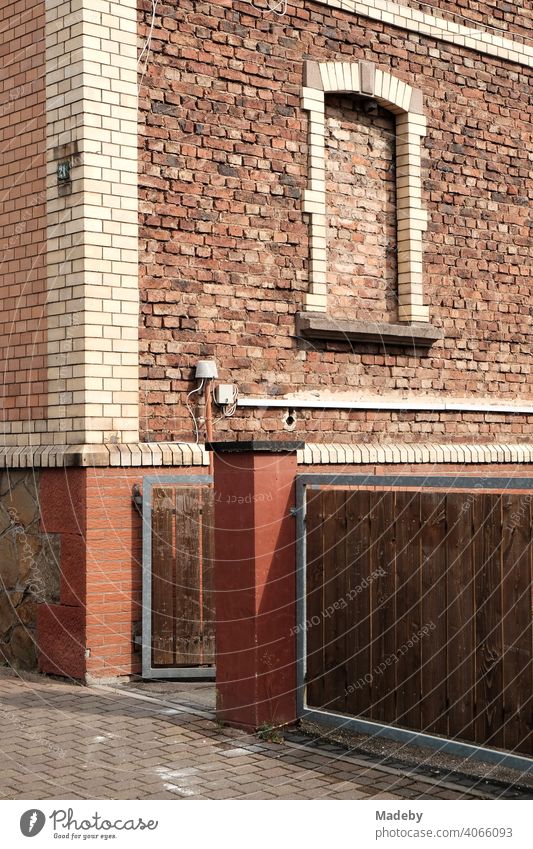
(365, 80)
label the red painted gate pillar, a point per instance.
(255, 582)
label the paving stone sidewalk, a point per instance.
(61, 741)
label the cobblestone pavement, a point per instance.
(61, 741)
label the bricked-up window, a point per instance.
(360, 152)
(364, 200)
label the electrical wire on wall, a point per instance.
(145, 52)
(278, 7)
(228, 410)
(198, 389)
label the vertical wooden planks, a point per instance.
(314, 621)
(433, 616)
(183, 626)
(358, 601)
(186, 589)
(206, 589)
(334, 555)
(488, 603)
(383, 601)
(419, 611)
(460, 646)
(162, 577)
(517, 627)
(408, 610)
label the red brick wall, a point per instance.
(500, 470)
(91, 631)
(22, 211)
(114, 560)
(255, 603)
(224, 242)
(113, 572)
(507, 19)
(61, 637)
(360, 154)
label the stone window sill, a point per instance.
(317, 325)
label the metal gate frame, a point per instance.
(148, 671)
(367, 726)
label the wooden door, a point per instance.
(183, 619)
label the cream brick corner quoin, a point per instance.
(92, 231)
(363, 78)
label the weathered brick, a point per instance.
(23, 384)
(242, 239)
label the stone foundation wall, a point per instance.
(29, 566)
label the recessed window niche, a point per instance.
(364, 200)
(360, 168)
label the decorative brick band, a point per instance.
(420, 22)
(189, 454)
(122, 455)
(339, 455)
(405, 102)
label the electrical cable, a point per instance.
(228, 410)
(148, 45)
(191, 411)
(278, 7)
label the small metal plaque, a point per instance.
(63, 171)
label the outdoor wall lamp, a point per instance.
(206, 370)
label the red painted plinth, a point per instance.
(89, 635)
(61, 629)
(255, 582)
(61, 640)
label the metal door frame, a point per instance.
(148, 671)
(367, 726)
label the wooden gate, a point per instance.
(178, 600)
(418, 611)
